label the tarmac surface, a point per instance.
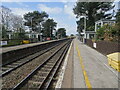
(89, 68)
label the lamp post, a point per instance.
(40, 32)
(31, 27)
(84, 30)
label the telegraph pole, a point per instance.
(84, 30)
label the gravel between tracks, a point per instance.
(10, 80)
(42, 70)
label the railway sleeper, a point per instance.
(10, 66)
(33, 84)
(45, 70)
(50, 64)
(47, 67)
(38, 79)
(42, 74)
(17, 63)
(5, 68)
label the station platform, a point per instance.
(6, 49)
(87, 68)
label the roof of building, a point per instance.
(89, 32)
(104, 20)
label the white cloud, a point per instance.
(51, 10)
(38, 1)
(64, 1)
(20, 11)
(70, 29)
(21, 4)
(10, 0)
(68, 9)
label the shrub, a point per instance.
(109, 33)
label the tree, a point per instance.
(118, 17)
(61, 32)
(10, 23)
(103, 32)
(20, 35)
(16, 23)
(80, 25)
(34, 20)
(72, 35)
(94, 11)
(116, 32)
(5, 15)
(108, 32)
(4, 32)
(48, 27)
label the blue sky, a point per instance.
(61, 12)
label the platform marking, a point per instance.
(83, 70)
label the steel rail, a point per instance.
(54, 70)
(22, 57)
(12, 69)
(21, 84)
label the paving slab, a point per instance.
(78, 74)
(98, 72)
(68, 76)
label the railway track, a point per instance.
(19, 75)
(7, 68)
(42, 76)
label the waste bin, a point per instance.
(114, 60)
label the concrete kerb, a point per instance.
(61, 76)
(0, 69)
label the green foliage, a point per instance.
(116, 31)
(33, 20)
(48, 27)
(80, 25)
(110, 33)
(94, 11)
(118, 17)
(72, 35)
(100, 33)
(20, 35)
(61, 33)
(90, 28)
(4, 32)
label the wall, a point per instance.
(105, 47)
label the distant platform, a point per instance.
(6, 49)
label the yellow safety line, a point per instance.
(83, 70)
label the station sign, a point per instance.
(3, 43)
(94, 45)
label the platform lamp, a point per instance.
(31, 27)
(84, 30)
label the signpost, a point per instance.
(94, 45)
(3, 43)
